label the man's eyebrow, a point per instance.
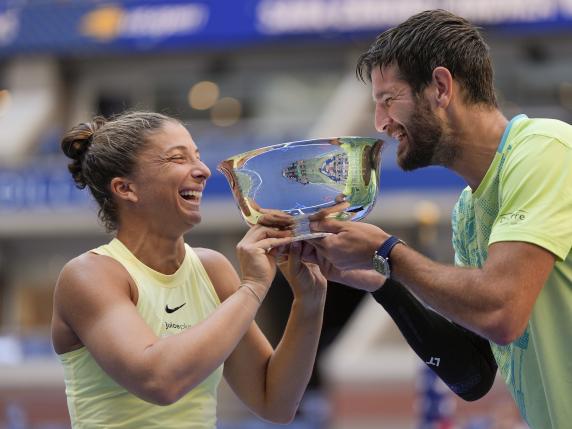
(380, 94)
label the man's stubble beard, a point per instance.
(428, 141)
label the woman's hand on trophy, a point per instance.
(276, 219)
(305, 278)
(255, 255)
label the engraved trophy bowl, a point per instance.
(333, 178)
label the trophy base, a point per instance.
(311, 236)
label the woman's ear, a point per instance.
(443, 83)
(124, 189)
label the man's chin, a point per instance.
(407, 164)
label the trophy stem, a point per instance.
(302, 230)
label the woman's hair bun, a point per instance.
(76, 143)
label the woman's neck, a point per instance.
(162, 253)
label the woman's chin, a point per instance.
(193, 219)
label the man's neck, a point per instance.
(478, 133)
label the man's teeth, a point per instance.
(191, 194)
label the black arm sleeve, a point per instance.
(462, 359)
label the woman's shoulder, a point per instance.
(220, 271)
(90, 270)
(89, 285)
(210, 256)
(214, 262)
(90, 262)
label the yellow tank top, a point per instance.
(169, 304)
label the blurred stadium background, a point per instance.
(241, 74)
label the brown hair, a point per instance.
(103, 149)
(432, 39)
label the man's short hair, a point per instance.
(432, 39)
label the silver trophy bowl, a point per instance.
(333, 178)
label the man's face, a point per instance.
(409, 119)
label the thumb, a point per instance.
(327, 225)
(308, 253)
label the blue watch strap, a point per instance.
(387, 246)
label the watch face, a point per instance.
(381, 265)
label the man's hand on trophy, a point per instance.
(352, 244)
(365, 279)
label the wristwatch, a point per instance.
(381, 262)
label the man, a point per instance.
(432, 84)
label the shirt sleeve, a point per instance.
(535, 193)
(458, 235)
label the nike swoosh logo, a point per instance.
(172, 310)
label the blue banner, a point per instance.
(79, 27)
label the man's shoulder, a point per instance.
(543, 129)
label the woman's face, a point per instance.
(170, 179)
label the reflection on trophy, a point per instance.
(311, 179)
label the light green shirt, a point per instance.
(169, 304)
(526, 196)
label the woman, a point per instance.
(145, 324)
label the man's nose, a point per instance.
(382, 123)
(382, 120)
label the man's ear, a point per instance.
(443, 83)
(124, 189)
